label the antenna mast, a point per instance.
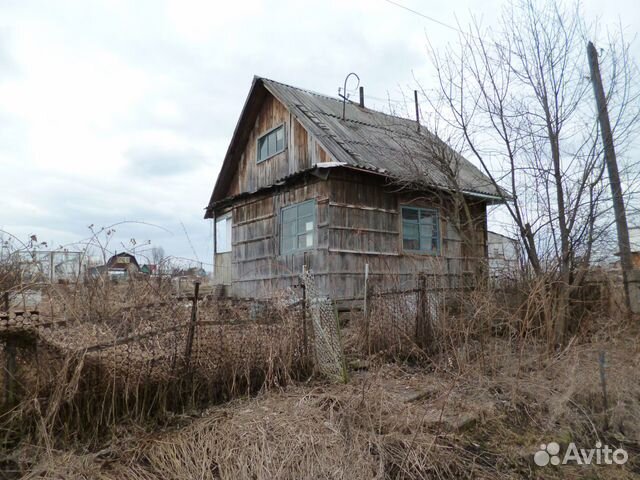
(344, 97)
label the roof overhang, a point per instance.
(319, 170)
(340, 156)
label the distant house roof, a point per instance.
(499, 237)
(123, 261)
(365, 139)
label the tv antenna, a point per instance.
(344, 89)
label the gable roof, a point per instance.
(365, 139)
(115, 261)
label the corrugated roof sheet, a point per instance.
(374, 140)
(365, 139)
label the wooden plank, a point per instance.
(361, 207)
(358, 229)
(358, 252)
(251, 240)
(255, 219)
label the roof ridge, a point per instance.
(312, 92)
(336, 99)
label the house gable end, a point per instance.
(242, 171)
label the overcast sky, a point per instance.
(122, 110)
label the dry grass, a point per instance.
(79, 381)
(476, 402)
(394, 421)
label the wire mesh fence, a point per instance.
(328, 352)
(403, 322)
(148, 358)
(82, 375)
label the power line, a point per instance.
(435, 20)
(189, 240)
(415, 12)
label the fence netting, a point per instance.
(327, 346)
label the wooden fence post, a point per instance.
(365, 309)
(304, 321)
(603, 383)
(9, 373)
(192, 326)
(424, 331)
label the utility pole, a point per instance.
(415, 99)
(612, 168)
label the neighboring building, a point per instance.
(149, 269)
(634, 240)
(192, 272)
(123, 262)
(503, 254)
(54, 265)
(119, 266)
(183, 279)
(300, 185)
(633, 221)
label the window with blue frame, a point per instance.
(298, 226)
(271, 143)
(420, 230)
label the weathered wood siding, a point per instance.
(222, 269)
(365, 227)
(358, 222)
(258, 268)
(300, 153)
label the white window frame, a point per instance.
(228, 232)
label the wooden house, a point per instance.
(311, 180)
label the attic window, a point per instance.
(271, 143)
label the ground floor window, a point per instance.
(420, 230)
(298, 225)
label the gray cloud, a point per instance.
(8, 66)
(188, 86)
(158, 162)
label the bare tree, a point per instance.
(428, 165)
(518, 97)
(157, 255)
(158, 258)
